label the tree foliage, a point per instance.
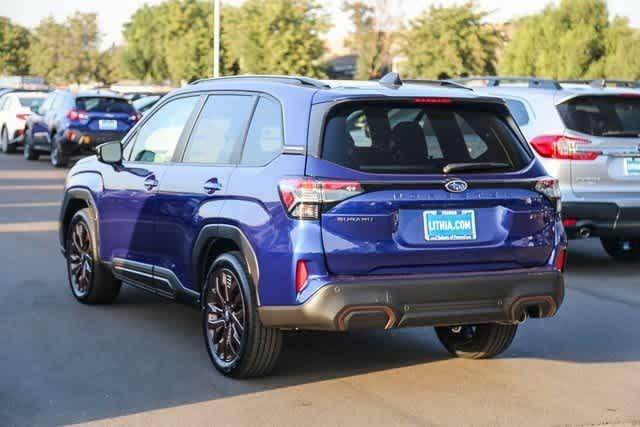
(14, 47)
(66, 52)
(450, 41)
(143, 53)
(277, 37)
(372, 37)
(574, 39)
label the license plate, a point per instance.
(632, 166)
(449, 225)
(107, 124)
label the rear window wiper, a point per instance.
(622, 133)
(478, 166)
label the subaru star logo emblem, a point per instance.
(456, 186)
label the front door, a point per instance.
(128, 205)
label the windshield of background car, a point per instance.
(414, 138)
(615, 115)
(97, 104)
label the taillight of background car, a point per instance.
(563, 147)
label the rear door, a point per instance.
(607, 129)
(194, 189)
(412, 215)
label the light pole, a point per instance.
(216, 38)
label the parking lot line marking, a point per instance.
(30, 205)
(28, 227)
(31, 187)
(30, 174)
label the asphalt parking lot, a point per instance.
(142, 360)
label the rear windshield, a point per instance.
(617, 116)
(29, 101)
(401, 138)
(104, 105)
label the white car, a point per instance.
(15, 107)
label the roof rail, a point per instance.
(602, 83)
(295, 80)
(493, 81)
(392, 80)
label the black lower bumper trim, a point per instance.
(436, 300)
(602, 219)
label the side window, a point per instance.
(3, 101)
(158, 137)
(518, 111)
(217, 134)
(264, 140)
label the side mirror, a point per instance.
(110, 153)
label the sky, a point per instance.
(113, 13)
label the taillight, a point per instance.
(302, 274)
(561, 260)
(550, 189)
(303, 198)
(569, 222)
(563, 147)
(22, 116)
(75, 115)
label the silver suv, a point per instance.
(587, 134)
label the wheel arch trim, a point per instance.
(86, 196)
(212, 232)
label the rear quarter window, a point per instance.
(411, 138)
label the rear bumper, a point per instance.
(433, 300)
(602, 219)
(85, 142)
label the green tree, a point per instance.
(277, 37)
(109, 65)
(66, 52)
(372, 38)
(144, 48)
(444, 42)
(14, 48)
(573, 40)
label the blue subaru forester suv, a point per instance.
(279, 203)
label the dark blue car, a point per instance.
(72, 123)
(279, 203)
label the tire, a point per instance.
(626, 250)
(91, 281)
(238, 344)
(29, 152)
(477, 341)
(58, 158)
(7, 148)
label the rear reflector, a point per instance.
(563, 147)
(569, 222)
(561, 260)
(302, 274)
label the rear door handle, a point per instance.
(150, 183)
(212, 186)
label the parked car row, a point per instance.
(64, 123)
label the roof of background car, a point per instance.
(568, 91)
(30, 93)
(89, 93)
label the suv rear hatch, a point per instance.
(604, 131)
(430, 185)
